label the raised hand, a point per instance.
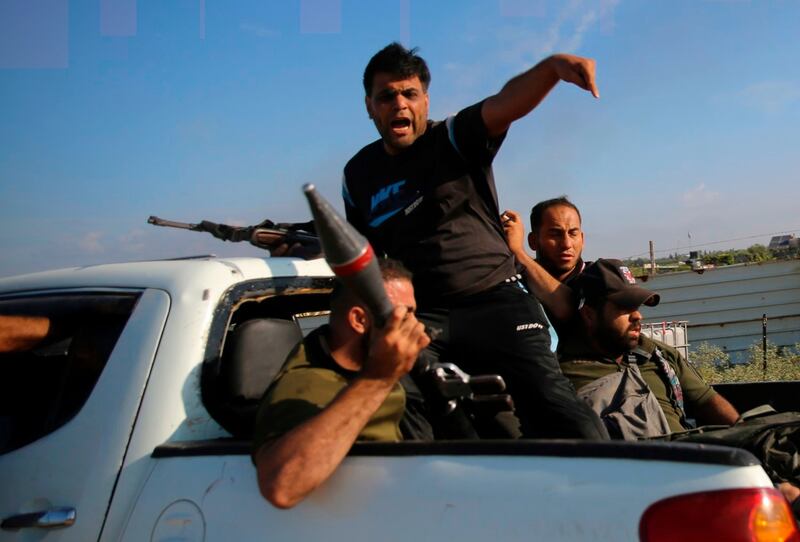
(395, 347)
(577, 70)
(514, 230)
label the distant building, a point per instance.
(725, 306)
(661, 266)
(782, 242)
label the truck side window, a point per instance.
(53, 349)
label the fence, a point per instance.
(670, 333)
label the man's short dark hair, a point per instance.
(398, 61)
(390, 270)
(539, 209)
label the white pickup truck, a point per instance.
(134, 427)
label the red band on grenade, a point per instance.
(356, 265)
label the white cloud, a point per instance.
(770, 96)
(524, 40)
(573, 43)
(564, 33)
(258, 30)
(90, 242)
(699, 196)
(577, 18)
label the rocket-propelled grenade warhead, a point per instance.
(349, 255)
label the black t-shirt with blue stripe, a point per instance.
(434, 207)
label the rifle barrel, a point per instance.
(155, 221)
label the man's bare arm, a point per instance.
(296, 463)
(716, 411)
(554, 295)
(279, 247)
(293, 465)
(21, 333)
(524, 92)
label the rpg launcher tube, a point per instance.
(349, 255)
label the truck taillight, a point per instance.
(748, 514)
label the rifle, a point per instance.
(262, 235)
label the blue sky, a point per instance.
(113, 110)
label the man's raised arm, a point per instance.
(552, 293)
(524, 92)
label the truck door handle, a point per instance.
(44, 519)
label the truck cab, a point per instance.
(132, 423)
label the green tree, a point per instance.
(710, 361)
(759, 253)
(715, 366)
(720, 258)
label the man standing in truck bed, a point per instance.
(424, 194)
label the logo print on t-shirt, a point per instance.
(385, 193)
(532, 325)
(387, 202)
(414, 205)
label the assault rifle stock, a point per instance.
(266, 235)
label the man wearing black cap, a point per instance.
(639, 387)
(611, 343)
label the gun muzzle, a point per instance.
(349, 255)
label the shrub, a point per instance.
(715, 366)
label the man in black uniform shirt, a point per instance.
(425, 194)
(557, 237)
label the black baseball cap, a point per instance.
(611, 280)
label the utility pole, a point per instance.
(652, 259)
(764, 341)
